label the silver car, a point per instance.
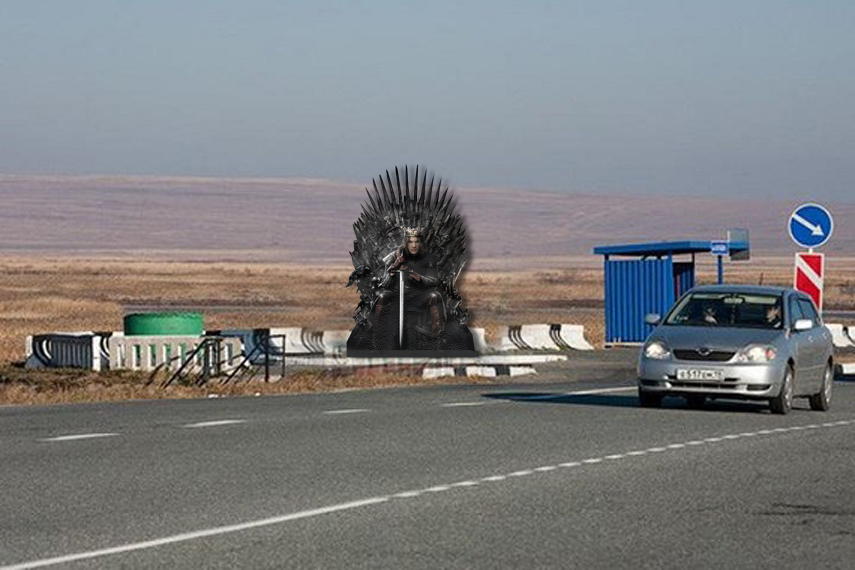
(730, 341)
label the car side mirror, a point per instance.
(652, 319)
(803, 325)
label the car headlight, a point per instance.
(757, 353)
(657, 350)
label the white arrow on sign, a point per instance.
(814, 229)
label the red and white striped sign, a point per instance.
(810, 273)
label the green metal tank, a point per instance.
(164, 324)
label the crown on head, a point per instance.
(413, 232)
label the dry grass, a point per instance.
(63, 386)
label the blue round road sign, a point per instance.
(811, 225)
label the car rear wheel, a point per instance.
(821, 401)
(783, 402)
(649, 400)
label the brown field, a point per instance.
(43, 294)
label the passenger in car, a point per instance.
(773, 316)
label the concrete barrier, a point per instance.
(169, 352)
(850, 333)
(479, 339)
(85, 349)
(542, 337)
(482, 371)
(334, 343)
(840, 335)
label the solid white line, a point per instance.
(214, 423)
(576, 393)
(195, 535)
(601, 391)
(79, 436)
(350, 411)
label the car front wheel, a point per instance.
(821, 401)
(783, 402)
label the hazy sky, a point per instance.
(686, 97)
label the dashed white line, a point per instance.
(214, 423)
(377, 500)
(463, 404)
(347, 411)
(78, 436)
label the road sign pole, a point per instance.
(720, 269)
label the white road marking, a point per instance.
(377, 500)
(575, 393)
(463, 404)
(348, 411)
(494, 478)
(184, 537)
(78, 436)
(214, 423)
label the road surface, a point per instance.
(562, 474)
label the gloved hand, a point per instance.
(413, 276)
(397, 265)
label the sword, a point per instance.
(400, 309)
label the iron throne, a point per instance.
(408, 253)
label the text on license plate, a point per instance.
(699, 374)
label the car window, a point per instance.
(732, 309)
(795, 311)
(808, 311)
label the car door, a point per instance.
(816, 342)
(800, 348)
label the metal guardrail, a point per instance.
(264, 348)
(209, 358)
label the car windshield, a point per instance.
(748, 310)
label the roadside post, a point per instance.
(810, 226)
(720, 249)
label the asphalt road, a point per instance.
(503, 476)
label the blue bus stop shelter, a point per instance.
(650, 277)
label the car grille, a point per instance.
(714, 356)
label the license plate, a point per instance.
(699, 374)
